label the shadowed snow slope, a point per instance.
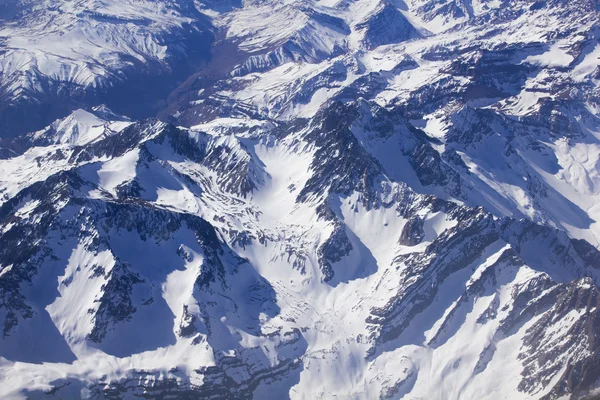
(349, 199)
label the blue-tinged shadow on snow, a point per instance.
(36, 340)
(359, 263)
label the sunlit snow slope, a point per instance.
(346, 199)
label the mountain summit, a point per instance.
(317, 199)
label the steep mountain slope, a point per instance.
(57, 57)
(495, 77)
(352, 199)
(246, 277)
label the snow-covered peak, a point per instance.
(82, 127)
(56, 57)
(352, 199)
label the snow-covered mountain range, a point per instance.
(348, 199)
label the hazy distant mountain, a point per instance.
(299, 199)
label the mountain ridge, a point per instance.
(361, 199)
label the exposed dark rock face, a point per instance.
(340, 164)
(353, 199)
(333, 250)
(412, 233)
(387, 26)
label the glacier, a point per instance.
(304, 199)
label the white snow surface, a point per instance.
(274, 305)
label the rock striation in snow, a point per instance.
(351, 199)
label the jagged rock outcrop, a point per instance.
(352, 199)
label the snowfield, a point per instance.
(346, 199)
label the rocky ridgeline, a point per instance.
(360, 199)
